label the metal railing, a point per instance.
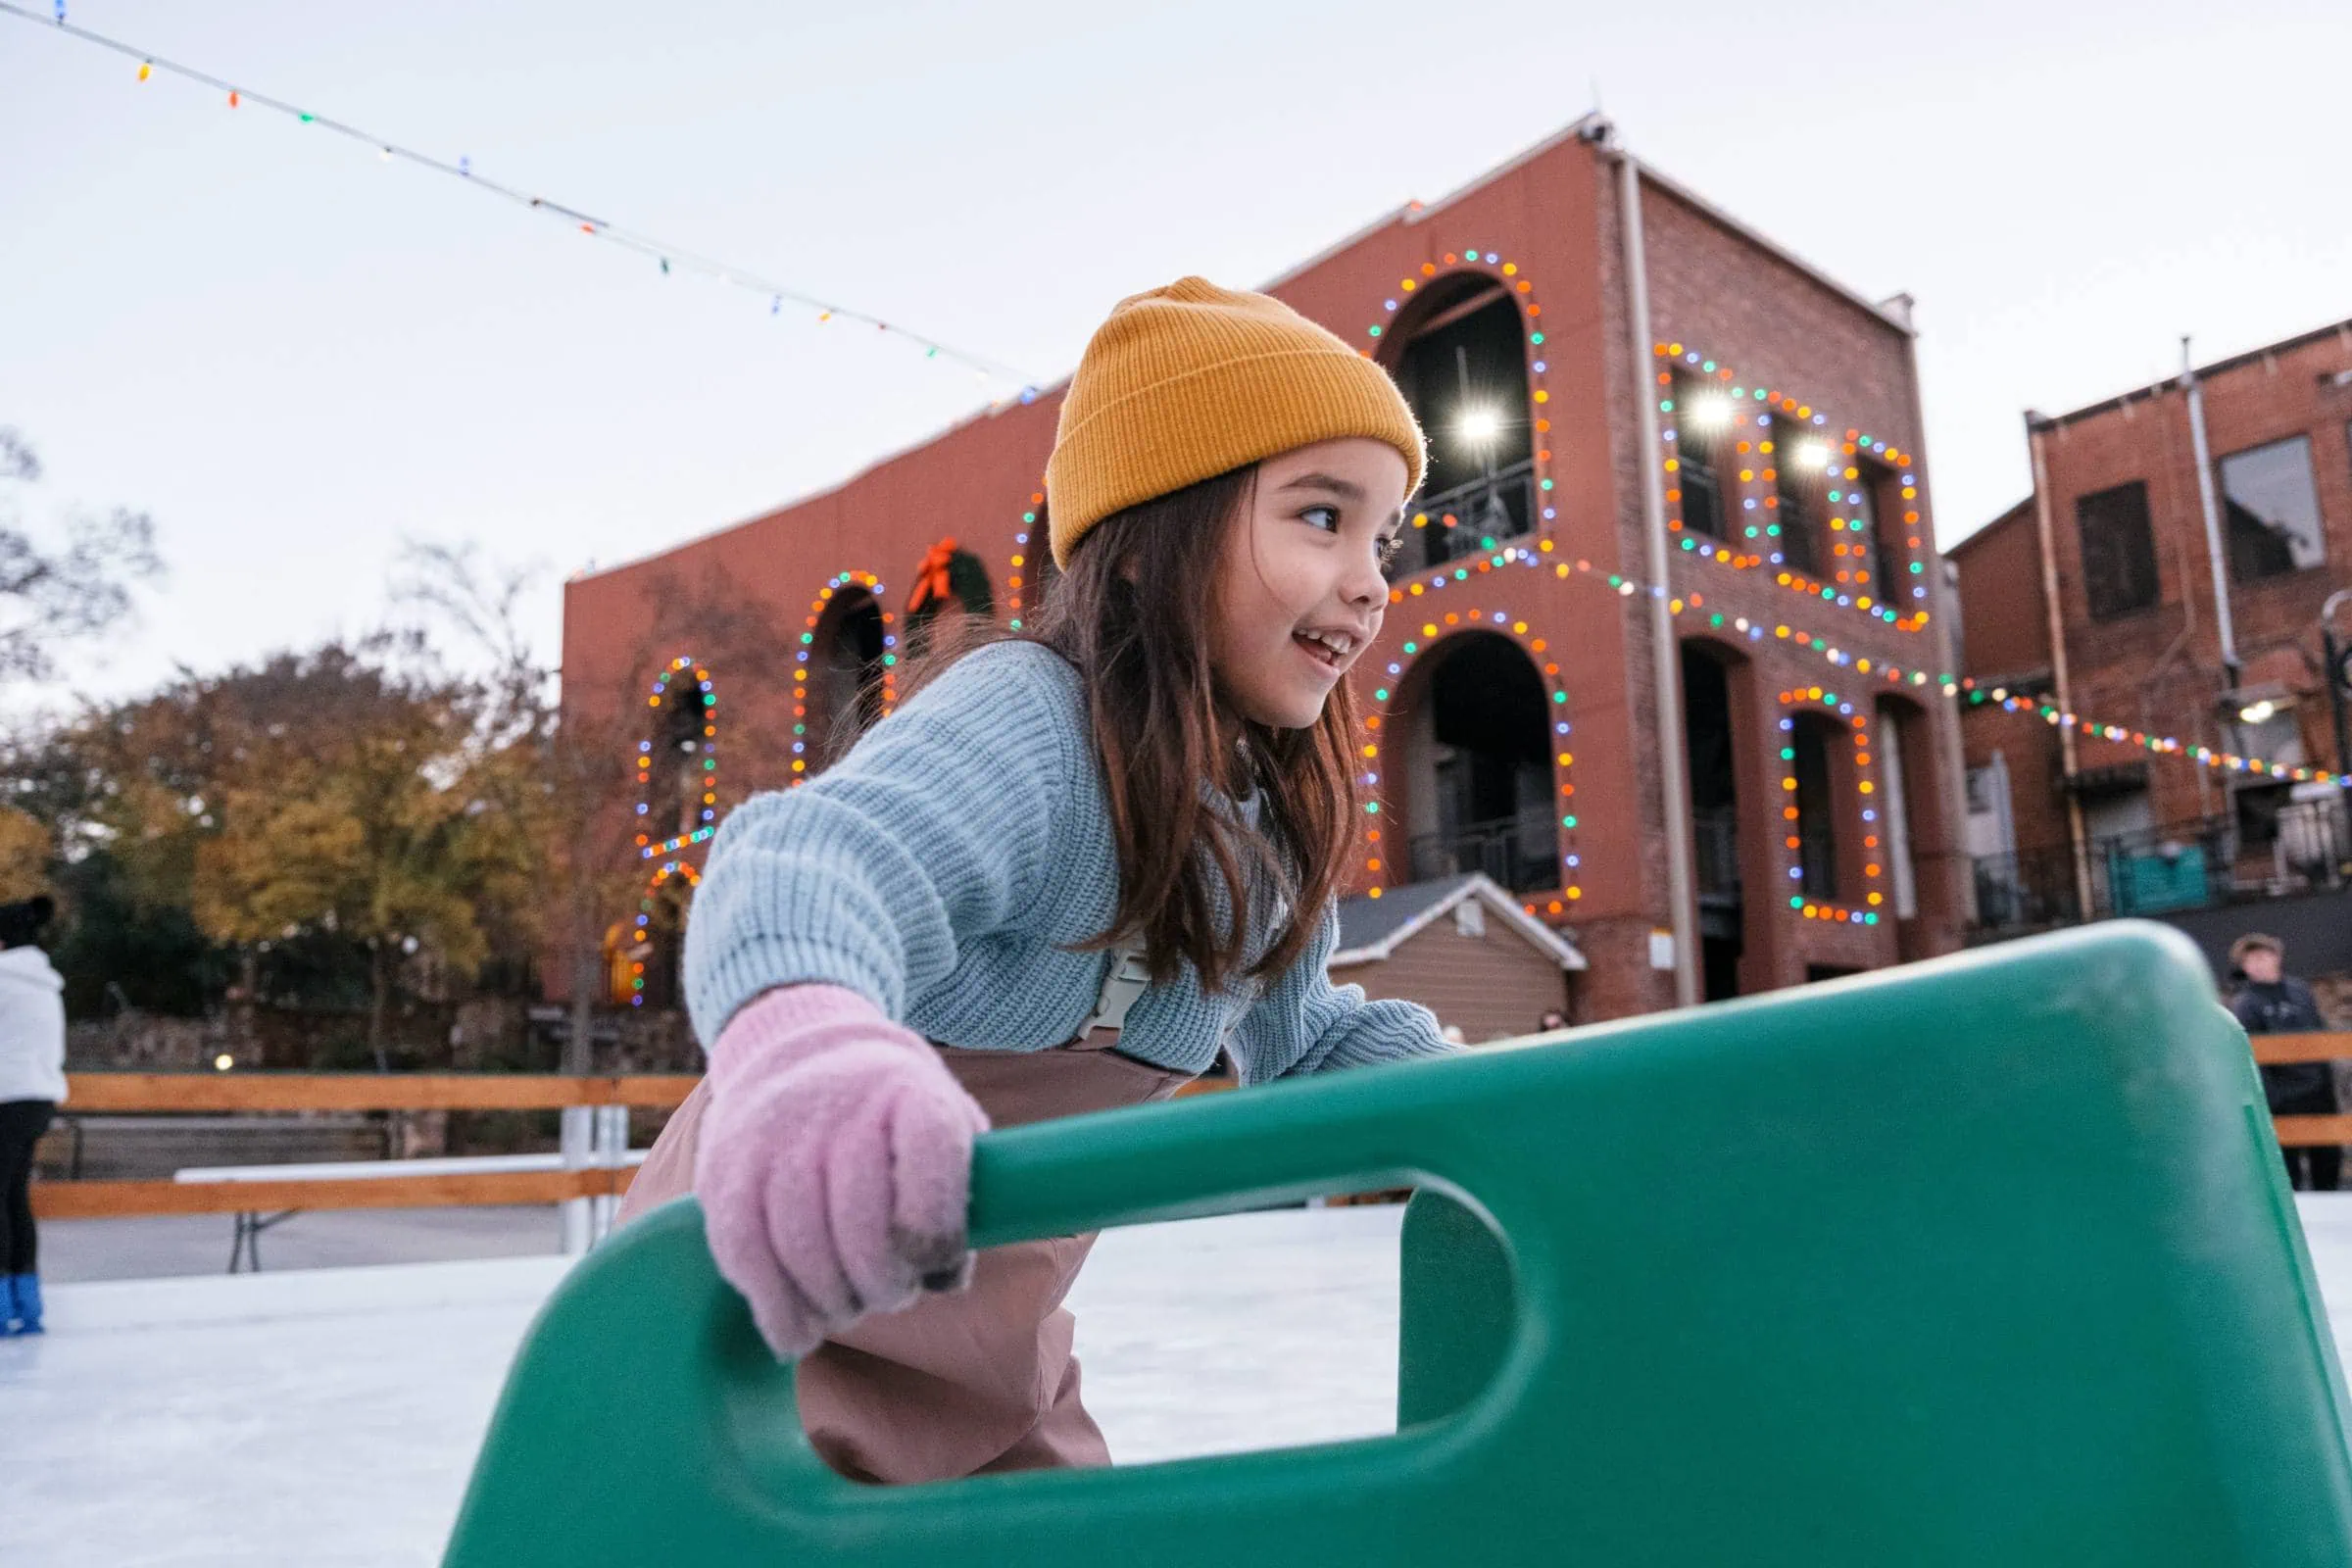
(1468, 518)
(1715, 851)
(1519, 851)
(2195, 864)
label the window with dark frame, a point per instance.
(684, 729)
(1816, 812)
(1799, 493)
(1872, 538)
(2272, 511)
(2119, 555)
(1698, 455)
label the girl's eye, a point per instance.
(1328, 516)
(1389, 548)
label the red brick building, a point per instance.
(2069, 821)
(1663, 446)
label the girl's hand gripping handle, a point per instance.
(835, 1164)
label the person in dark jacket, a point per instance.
(2273, 1002)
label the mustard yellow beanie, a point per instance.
(1192, 381)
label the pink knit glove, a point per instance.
(834, 1165)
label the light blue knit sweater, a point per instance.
(939, 868)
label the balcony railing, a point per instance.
(2189, 865)
(1479, 516)
(1715, 847)
(1521, 851)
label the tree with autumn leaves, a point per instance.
(344, 793)
(424, 798)
(362, 805)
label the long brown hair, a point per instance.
(1130, 613)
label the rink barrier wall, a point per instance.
(128, 1093)
(262, 1092)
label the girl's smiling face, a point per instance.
(1298, 593)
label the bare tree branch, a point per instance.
(49, 597)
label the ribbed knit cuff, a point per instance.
(770, 1023)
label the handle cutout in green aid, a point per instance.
(1963, 1262)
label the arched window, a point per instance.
(1460, 360)
(1814, 741)
(685, 733)
(677, 764)
(948, 581)
(849, 674)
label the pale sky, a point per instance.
(294, 355)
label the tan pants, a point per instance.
(971, 1383)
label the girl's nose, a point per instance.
(1363, 583)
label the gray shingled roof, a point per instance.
(1366, 922)
(1371, 928)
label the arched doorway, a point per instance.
(1474, 738)
(1459, 354)
(1710, 729)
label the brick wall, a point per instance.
(2161, 667)
(1715, 292)
(2157, 670)
(1550, 216)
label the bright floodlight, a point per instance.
(2257, 713)
(1711, 412)
(1812, 454)
(1480, 425)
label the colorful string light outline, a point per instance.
(872, 585)
(645, 920)
(1957, 687)
(1856, 445)
(1018, 576)
(1960, 687)
(1814, 698)
(1522, 293)
(1386, 695)
(647, 848)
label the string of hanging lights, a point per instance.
(1005, 382)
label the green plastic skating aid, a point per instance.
(1984, 1261)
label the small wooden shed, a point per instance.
(1463, 947)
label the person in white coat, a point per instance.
(32, 1084)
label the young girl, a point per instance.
(1016, 898)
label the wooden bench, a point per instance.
(245, 1243)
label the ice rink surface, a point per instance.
(329, 1417)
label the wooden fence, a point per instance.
(132, 1093)
(2300, 1132)
(140, 1092)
